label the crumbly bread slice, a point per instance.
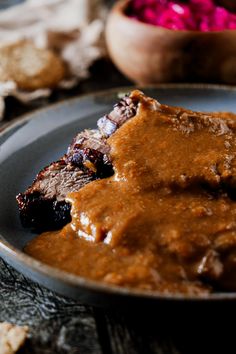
(30, 67)
(12, 337)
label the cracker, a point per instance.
(12, 337)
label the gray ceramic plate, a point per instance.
(37, 139)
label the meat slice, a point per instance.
(89, 151)
(42, 206)
(182, 160)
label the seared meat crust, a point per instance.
(42, 206)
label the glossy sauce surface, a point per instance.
(166, 220)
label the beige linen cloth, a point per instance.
(73, 27)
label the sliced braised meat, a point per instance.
(88, 156)
(90, 152)
(42, 206)
(122, 111)
(91, 139)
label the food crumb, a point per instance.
(12, 337)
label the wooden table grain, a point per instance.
(61, 325)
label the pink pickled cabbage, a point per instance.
(200, 15)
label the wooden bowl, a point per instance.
(149, 54)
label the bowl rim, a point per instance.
(119, 9)
(96, 286)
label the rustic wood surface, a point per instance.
(60, 325)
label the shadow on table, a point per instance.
(175, 329)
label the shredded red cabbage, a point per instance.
(201, 15)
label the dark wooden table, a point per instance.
(60, 325)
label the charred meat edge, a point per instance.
(42, 206)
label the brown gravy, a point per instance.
(165, 220)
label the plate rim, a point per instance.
(6, 249)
